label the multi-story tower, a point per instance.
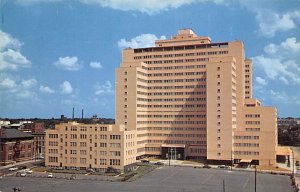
(190, 98)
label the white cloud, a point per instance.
(68, 63)
(10, 55)
(281, 61)
(46, 89)
(271, 22)
(66, 87)
(28, 2)
(149, 7)
(279, 96)
(95, 65)
(29, 83)
(144, 40)
(104, 88)
(260, 81)
(8, 83)
(18, 88)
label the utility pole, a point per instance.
(231, 161)
(223, 185)
(169, 155)
(293, 161)
(255, 179)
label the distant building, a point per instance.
(15, 146)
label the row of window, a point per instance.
(173, 80)
(171, 99)
(182, 47)
(177, 74)
(81, 128)
(171, 106)
(171, 116)
(173, 122)
(246, 144)
(175, 67)
(181, 55)
(172, 87)
(177, 128)
(177, 61)
(176, 135)
(170, 93)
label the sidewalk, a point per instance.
(21, 163)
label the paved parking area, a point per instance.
(175, 179)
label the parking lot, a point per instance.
(187, 179)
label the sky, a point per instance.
(60, 54)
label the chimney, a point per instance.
(73, 114)
(81, 113)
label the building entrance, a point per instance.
(173, 153)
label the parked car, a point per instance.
(90, 171)
(223, 166)
(22, 167)
(23, 174)
(13, 169)
(158, 163)
(50, 175)
(145, 161)
(206, 166)
(28, 171)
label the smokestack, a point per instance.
(73, 114)
(81, 113)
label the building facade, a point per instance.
(188, 97)
(97, 146)
(15, 146)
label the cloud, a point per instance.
(279, 96)
(29, 2)
(8, 83)
(95, 65)
(144, 40)
(66, 87)
(18, 88)
(45, 89)
(29, 83)
(10, 55)
(271, 22)
(67, 63)
(281, 61)
(260, 81)
(103, 89)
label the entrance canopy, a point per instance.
(245, 160)
(173, 145)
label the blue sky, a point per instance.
(59, 54)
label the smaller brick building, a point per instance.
(15, 146)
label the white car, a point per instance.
(50, 175)
(13, 168)
(28, 171)
(23, 174)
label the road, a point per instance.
(167, 179)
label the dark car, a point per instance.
(206, 166)
(22, 167)
(145, 161)
(158, 163)
(223, 166)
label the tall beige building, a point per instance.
(184, 98)
(188, 97)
